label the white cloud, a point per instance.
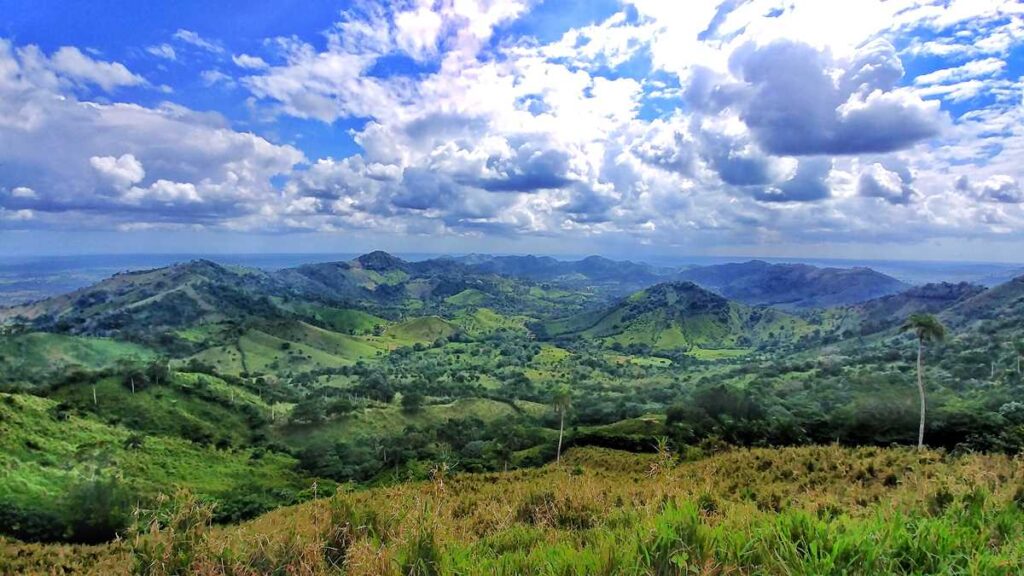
(971, 70)
(680, 124)
(23, 192)
(194, 39)
(87, 161)
(121, 172)
(249, 62)
(165, 51)
(72, 63)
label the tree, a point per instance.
(158, 371)
(412, 402)
(134, 376)
(561, 402)
(1018, 346)
(926, 328)
(311, 410)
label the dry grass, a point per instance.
(809, 510)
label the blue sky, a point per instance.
(854, 128)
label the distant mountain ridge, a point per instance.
(201, 291)
(755, 282)
(793, 286)
(890, 311)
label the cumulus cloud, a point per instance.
(86, 157)
(121, 172)
(249, 62)
(801, 101)
(808, 183)
(671, 123)
(999, 188)
(893, 184)
(71, 63)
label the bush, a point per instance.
(96, 510)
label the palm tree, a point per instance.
(927, 328)
(560, 402)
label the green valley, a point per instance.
(250, 391)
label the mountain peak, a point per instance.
(378, 261)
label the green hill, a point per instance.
(32, 359)
(47, 452)
(423, 330)
(680, 316)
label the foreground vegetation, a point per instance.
(811, 511)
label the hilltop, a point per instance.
(680, 316)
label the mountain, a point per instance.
(593, 272)
(890, 311)
(194, 292)
(793, 286)
(680, 316)
(202, 292)
(1002, 305)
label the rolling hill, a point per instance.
(680, 316)
(197, 292)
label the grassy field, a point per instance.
(44, 451)
(35, 356)
(391, 420)
(804, 511)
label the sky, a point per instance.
(789, 128)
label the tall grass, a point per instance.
(797, 511)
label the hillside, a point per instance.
(593, 272)
(680, 316)
(150, 301)
(817, 510)
(792, 286)
(889, 311)
(1002, 304)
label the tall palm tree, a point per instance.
(927, 328)
(561, 402)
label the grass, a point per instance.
(44, 451)
(190, 404)
(293, 347)
(29, 356)
(344, 320)
(419, 330)
(795, 511)
(391, 420)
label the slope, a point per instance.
(680, 316)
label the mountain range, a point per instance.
(728, 307)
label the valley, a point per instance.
(255, 390)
